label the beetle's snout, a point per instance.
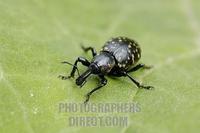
(82, 79)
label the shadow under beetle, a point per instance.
(118, 57)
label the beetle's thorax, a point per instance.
(102, 63)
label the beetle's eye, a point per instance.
(94, 68)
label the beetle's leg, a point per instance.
(84, 61)
(139, 85)
(103, 82)
(139, 66)
(86, 49)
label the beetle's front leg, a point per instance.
(103, 82)
(84, 61)
(86, 49)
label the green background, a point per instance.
(36, 35)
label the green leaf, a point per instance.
(36, 35)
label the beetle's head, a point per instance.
(93, 69)
(101, 64)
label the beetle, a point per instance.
(118, 57)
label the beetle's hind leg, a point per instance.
(86, 49)
(139, 66)
(139, 85)
(84, 61)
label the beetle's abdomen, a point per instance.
(126, 51)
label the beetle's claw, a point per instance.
(87, 99)
(146, 87)
(64, 77)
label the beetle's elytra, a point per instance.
(118, 57)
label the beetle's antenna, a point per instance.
(65, 62)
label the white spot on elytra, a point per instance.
(119, 58)
(129, 45)
(105, 48)
(123, 65)
(133, 57)
(138, 55)
(124, 38)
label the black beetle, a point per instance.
(118, 57)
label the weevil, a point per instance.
(118, 57)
